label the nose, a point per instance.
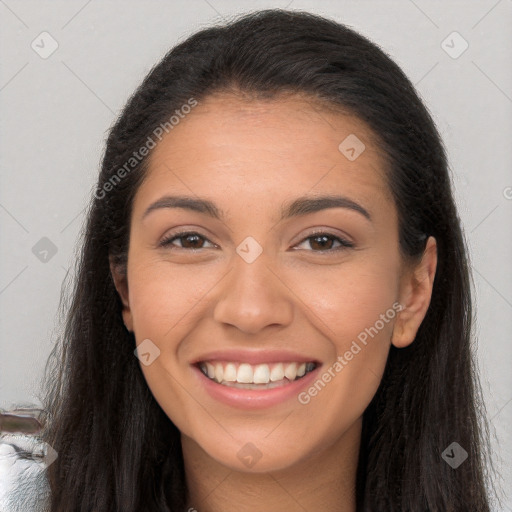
(253, 297)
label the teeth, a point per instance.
(244, 373)
(261, 374)
(290, 371)
(219, 372)
(230, 373)
(277, 372)
(211, 370)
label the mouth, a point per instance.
(254, 379)
(262, 376)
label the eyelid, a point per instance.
(329, 232)
(166, 240)
(345, 242)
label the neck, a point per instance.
(324, 481)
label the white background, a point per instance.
(55, 113)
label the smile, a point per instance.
(259, 376)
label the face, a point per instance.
(265, 317)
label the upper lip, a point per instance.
(254, 356)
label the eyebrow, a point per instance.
(300, 206)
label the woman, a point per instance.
(272, 308)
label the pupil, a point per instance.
(324, 238)
(196, 240)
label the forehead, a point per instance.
(269, 147)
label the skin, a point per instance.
(249, 157)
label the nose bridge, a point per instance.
(253, 296)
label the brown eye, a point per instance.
(188, 240)
(324, 242)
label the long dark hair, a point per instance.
(118, 451)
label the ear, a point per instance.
(121, 283)
(415, 294)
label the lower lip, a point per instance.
(253, 398)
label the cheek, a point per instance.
(358, 309)
(164, 301)
(351, 298)
(163, 296)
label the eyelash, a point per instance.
(344, 244)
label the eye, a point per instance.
(323, 242)
(189, 240)
(319, 242)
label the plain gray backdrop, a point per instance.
(67, 68)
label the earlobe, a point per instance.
(415, 294)
(121, 284)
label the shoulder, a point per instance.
(23, 482)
